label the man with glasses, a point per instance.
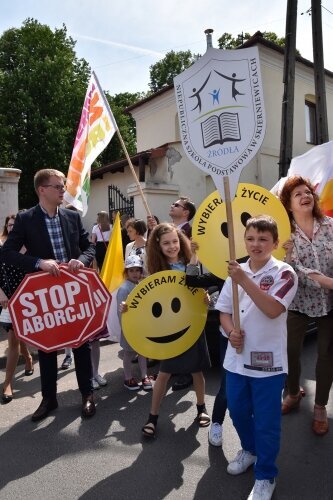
(181, 212)
(53, 235)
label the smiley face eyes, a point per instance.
(175, 305)
(157, 307)
(244, 218)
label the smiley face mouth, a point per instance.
(169, 338)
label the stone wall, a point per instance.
(9, 178)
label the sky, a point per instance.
(121, 39)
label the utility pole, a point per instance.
(287, 121)
(319, 72)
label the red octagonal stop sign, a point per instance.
(54, 312)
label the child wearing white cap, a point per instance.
(133, 273)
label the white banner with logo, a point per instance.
(221, 113)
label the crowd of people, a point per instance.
(260, 356)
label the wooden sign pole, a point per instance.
(232, 252)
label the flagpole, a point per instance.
(138, 185)
(232, 254)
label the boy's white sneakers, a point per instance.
(262, 489)
(243, 460)
(215, 434)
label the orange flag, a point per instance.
(96, 128)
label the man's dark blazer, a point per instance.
(187, 229)
(30, 231)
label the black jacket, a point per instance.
(30, 231)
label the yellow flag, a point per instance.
(113, 266)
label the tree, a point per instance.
(42, 90)
(163, 72)
(227, 41)
(127, 128)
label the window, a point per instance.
(310, 123)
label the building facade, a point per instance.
(162, 168)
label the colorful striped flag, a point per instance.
(96, 128)
(113, 266)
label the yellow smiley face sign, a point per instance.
(164, 316)
(210, 231)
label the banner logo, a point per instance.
(221, 111)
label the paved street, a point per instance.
(106, 458)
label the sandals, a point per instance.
(291, 403)
(319, 422)
(149, 430)
(203, 419)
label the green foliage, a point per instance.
(227, 41)
(163, 72)
(42, 89)
(126, 125)
(272, 37)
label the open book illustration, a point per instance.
(220, 129)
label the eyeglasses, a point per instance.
(58, 187)
(177, 205)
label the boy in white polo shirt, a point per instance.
(256, 375)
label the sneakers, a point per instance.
(95, 384)
(262, 489)
(67, 362)
(100, 380)
(241, 462)
(131, 384)
(215, 434)
(146, 384)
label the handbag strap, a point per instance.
(100, 230)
